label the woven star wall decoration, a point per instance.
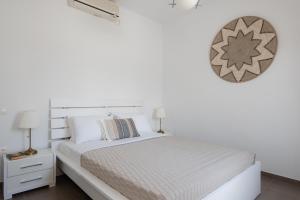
(243, 49)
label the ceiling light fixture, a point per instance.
(173, 4)
(186, 4)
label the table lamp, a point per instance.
(160, 114)
(29, 120)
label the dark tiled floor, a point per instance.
(272, 189)
(277, 189)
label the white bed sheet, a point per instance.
(74, 151)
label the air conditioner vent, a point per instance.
(101, 8)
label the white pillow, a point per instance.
(85, 128)
(141, 123)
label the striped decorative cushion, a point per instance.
(120, 128)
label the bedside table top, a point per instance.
(41, 153)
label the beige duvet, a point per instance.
(166, 168)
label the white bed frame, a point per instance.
(245, 186)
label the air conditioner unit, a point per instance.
(101, 8)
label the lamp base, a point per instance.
(161, 131)
(30, 152)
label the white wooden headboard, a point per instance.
(60, 109)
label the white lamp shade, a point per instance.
(160, 113)
(187, 4)
(29, 119)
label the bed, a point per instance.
(151, 173)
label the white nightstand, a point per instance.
(28, 173)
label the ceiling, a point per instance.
(158, 10)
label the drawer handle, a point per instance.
(34, 165)
(35, 179)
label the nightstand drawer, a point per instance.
(31, 164)
(29, 181)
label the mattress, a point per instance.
(74, 151)
(166, 168)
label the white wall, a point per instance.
(262, 115)
(48, 49)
